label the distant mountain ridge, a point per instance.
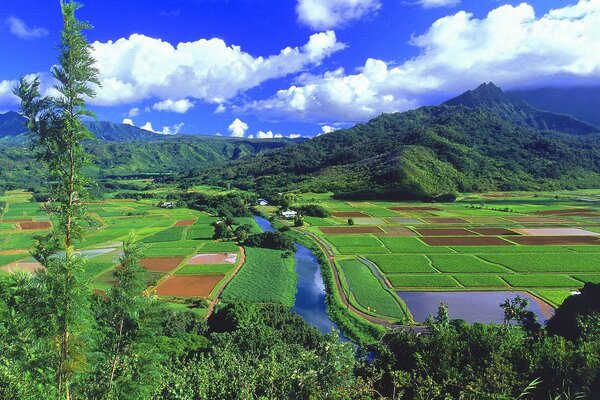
(481, 140)
(13, 125)
(513, 109)
(581, 102)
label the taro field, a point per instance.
(182, 262)
(545, 244)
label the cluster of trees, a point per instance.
(236, 204)
(272, 240)
(313, 210)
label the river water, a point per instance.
(310, 296)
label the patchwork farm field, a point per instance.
(181, 260)
(546, 244)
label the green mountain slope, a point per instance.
(170, 155)
(479, 141)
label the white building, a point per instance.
(289, 214)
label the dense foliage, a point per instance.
(313, 210)
(271, 240)
(481, 142)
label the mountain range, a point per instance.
(481, 140)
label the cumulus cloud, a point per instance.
(18, 28)
(220, 109)
(294, 135)
(268, 135)
(438, 3)
(7, 98)
(166, 130)
(148, 127)
(238, 128)
(327, 129)
(510, 46)
(177, 106)
(129, 121)
(134, 112)
(325, 14)
(140, 67)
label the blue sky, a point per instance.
(271, 67)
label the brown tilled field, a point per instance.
(537, 220)
(493, 231)
(22, 267)
(213, 259)
(188, 286)
(398, 231)
(445, 232)
(555, 232)
(349, 230)
(555, 240)
(349, 214)
(161, 264)
(466, 241)
(185, 222)
(445, 220)
(30, 225)
(575, 212)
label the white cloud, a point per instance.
(438, 3)
(177, 106)
(325, 14)
(510, 46)
(129, 121)
(327, 129)
(148, 127)
(268, 135)
(166, 130)
(294, 135)
(7, 98)
(221, 108)
(134, 112)
(238, 128)
(18, 28)
(171, 130)
(141, 67)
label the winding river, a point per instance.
(310, 296)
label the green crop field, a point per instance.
(266, 277)
(563, 262)
(354, 241)
(537, 281)
(480, 280)
(173, 234)
(407, 263)
(422, 281)
(368, 292)
(219, 247)
(463, 263)
(410, 245)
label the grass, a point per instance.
(567, 262)
(539, 280)
(6, 259)
(200, 232)
(511, 249)
(95, 268)
(369, 292)
(410, 245)
(588, 278)
(219, 247)
(462, 263)
(315, 221)
(393, 264)
(265, 277)
(168, 235)
(554, 296)
(354, 241)
(422, 281)
(220, 269)
(478, 280)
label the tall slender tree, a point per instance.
(57, 131)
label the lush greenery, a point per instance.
(267, 277)
(478, 142)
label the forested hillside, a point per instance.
(482, 140)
